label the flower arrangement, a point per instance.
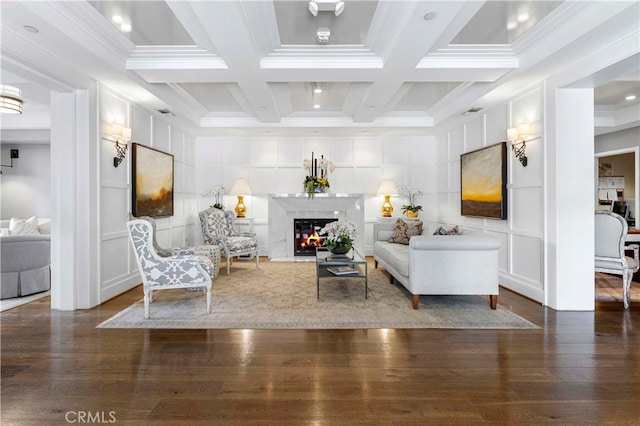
(412, 194)
(218, 194)
(317, 172)
(340, 236)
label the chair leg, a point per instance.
(257, 260)
(209, 300)
(228, 265)
(626, 287)
(147, 298)
(493, 300)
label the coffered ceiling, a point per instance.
(250, 67)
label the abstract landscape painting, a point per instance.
(483, 182)
(152, 182)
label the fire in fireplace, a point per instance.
(306, 238)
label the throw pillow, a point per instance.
(23, 226)
(403, 231)
(442, 231)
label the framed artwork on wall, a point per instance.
(152, 189)
(483, 182)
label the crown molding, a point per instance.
(174, 57)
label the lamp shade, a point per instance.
(524, 129)
(387, 187)
(512, 133)
(240, 187)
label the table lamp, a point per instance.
(240, 188)
(387, 188)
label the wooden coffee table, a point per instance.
(351, 265)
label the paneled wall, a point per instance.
(118, 267)
(521, 234)
(26, 187)
(274, 165)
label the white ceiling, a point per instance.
(248, 67)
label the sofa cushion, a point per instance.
(403, 231)
(24, 226)
(396, 255)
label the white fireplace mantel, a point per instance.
(283, 208)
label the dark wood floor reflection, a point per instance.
(580, 367)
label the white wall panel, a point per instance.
(231, 173)
(113, 200)
(209, 153)
(177, 144)
(107, 171)
(527, 257)
(342, 152)
(496, 122)
(114, 259)
(177, 236)
(366, 180)
(161, 135)
(456, 144)
(236, 152)
(178, 208)
(342, 179)
(263, 153)
(422, 178)
(140, 126)
(503, 260)
(189, 150)
(319, 147)
(369, 153)
(399, 175)
(454, 175)
(474, 134)
(163, 236)
(422, 151)
(526, 209)
(189, 179)
(442, 148)
(263, 180)
(290, 180)
(443, 177)
(178, 176)
(395, 151)
(290, 153)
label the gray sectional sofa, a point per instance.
(25, 261)
(465, 264)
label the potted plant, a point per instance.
(317, 171)
(219, 195)
(411, 209)
(340, 236)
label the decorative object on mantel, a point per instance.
(317, 172)
(218, 194)
(387, 188)
(240, 188)
(412, 209)
(340, 236)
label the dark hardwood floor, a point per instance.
(580, 367)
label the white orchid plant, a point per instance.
(339, 233)
(412, 194)
(218, 194)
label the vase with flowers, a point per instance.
(411, 209)
(317, 171)
(340, 236)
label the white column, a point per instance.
(569, 181)
(74, 173)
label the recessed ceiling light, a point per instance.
(316, 106)
(317, 90)
(31, 29)
(512, 25)
(523, 17)
(125, 28)
(117, 19)
(429, 16)
(372, 107)
(630, 97)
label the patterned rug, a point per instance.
(282, 295)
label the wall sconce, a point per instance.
(387, 188)
(121, 135)
(518, 138)
(14, 153)
(240, 188)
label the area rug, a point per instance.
(282, 295)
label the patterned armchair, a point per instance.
(218, 228)
(160, 273)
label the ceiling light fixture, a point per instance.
(116, 19)
(630, 97)
(322, 35)
(316, 88)
(316, 106)
(10, 99)
(523, 17)
(335, 6)
(429, 16)
(512, 25)
(125, 28)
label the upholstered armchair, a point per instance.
(218, 228)
(610, 235)
(211, 251)
(160, 273)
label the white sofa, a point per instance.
(465, 264)
(25, 261)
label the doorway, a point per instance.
(617, 176)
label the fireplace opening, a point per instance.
(306, 238)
